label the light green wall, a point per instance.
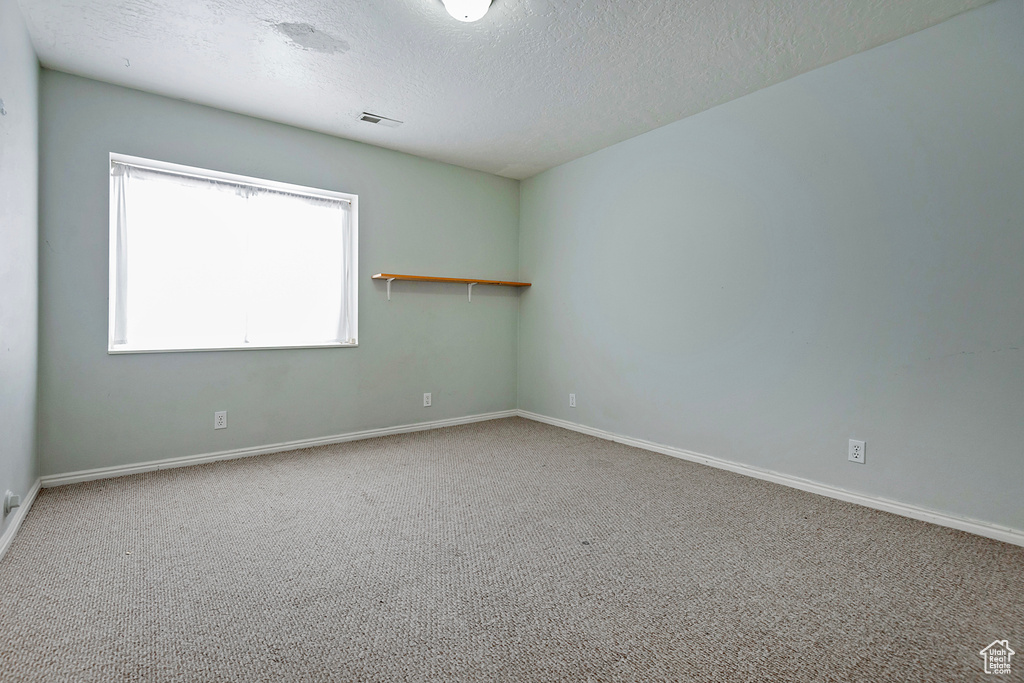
(19, 90)
(416, 216)
(837, 256)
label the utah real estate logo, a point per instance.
(997, 657)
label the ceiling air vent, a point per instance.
(380, 120)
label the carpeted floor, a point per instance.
(498, 551)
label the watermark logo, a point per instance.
(997, 657)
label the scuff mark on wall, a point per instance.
(307, 37)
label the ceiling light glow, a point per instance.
(467, 10)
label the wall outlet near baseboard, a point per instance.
(572, 400)
(856, 452)
(11, 501)
(220, 419)
(426, 400)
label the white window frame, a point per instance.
(167, 167)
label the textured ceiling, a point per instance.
(534, 84)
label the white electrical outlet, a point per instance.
(11, 501)
(426, 400)
(856, 453)
(220, 419)
(572, 400)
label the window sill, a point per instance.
(119, 351)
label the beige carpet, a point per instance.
(500, 551)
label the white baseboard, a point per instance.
(185, 461)
(16, 519)
(974, 526)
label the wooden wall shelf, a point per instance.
(391, 277)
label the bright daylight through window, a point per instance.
(207, 260)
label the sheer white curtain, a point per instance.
(208, 263)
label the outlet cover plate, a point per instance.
(426, 400)
(572, 400)
(220, 419)
(856, 452)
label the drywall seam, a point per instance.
(185, 461)
(17, 518)
(974, 526)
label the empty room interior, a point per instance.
(512, 340)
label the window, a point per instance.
(205, 260)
